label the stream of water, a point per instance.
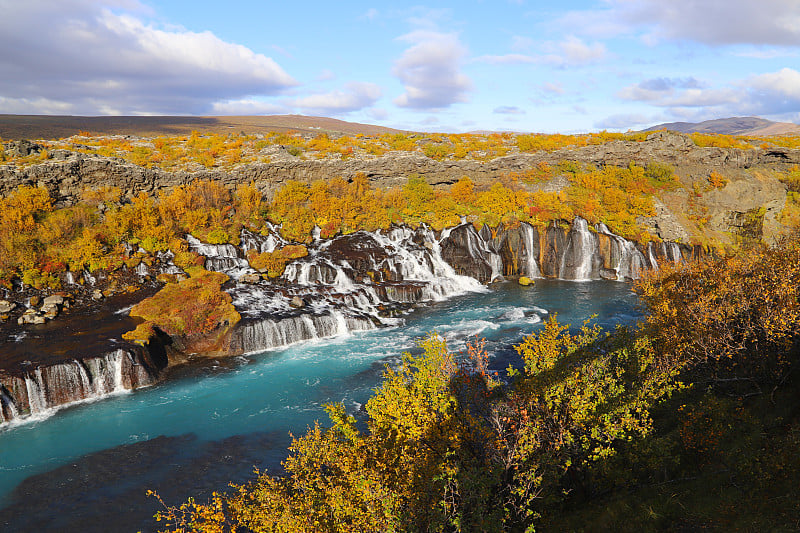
(87, 467)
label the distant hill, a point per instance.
(732, 126)
(58, 126)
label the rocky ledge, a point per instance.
(352, 282)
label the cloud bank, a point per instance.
(430, 71)
(94, 61)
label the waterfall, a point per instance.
(622, 257)
(675, 252)
(115, 362)
(531, 252)
(220, 257)
(259, 335)
(89, 279)
(348, 283)
(262, 243)
(48, 388)
(651, 256)
(37, 402)
(142, 270)
(577, 261)
(8, 411)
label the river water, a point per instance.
(87, 467)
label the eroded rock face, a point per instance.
(469, 254)
(67, 176)
(348, 283)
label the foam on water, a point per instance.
(284, 390)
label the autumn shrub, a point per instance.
(791, 179)
(449, 447)
(446, 446)
(717, 180)
(194, 306)
(21, 210)
(274, 263)
(719, 140)
(730, 316)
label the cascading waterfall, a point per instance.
(531, 252)
(220, 257)
(345, 284)
(576, 263)
(262, 243)
(623, 257)
(142, 270)
(349, 283)
(259, 335)
(37, 402)
(675, 252)
(577, 254)
(52, 387)
(8, 411)
(651, 256)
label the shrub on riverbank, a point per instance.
(38, 242)
(636, 429)
(190, 307)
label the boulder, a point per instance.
(297, 302)
(525, 281)
(50, 311)
(608, 273)
(54, 299)
(31, 316)
(6, 307)
(250, 277)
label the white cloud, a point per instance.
(785, 82)
(623, 121)
(657, 89)
(775, 94)
(377, 113)
(553, 88)
(370, 14)
(97, 61)
(508, 110)
(430, 71)
(521, 43)
(354, 96)
(326, 75)
(718, 21)
(714, 22)
(247, 106)
(572, 52)
(768, 53)
(43, 106)
(507, 59)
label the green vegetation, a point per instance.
(673, 423)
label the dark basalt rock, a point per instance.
(465, 251)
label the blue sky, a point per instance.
(519, 65)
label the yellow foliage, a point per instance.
(20, 210)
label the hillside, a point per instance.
(53, 127)
(731, 126)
